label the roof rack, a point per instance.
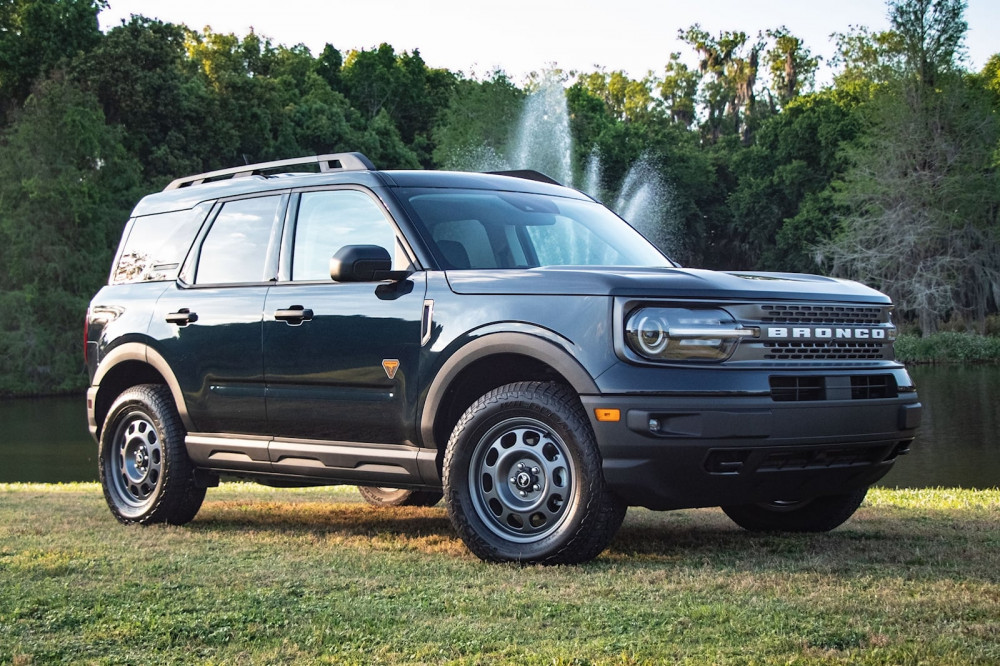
(333, 162)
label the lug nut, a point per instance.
(535, 488)
(522, 493)
(520, 465)
(534, 470)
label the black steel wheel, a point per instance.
(820, 514)
(378, 496)
(144, 468)
(523, 479)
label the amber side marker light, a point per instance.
(608, 414)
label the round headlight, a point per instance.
(651, 335)
(683, 334)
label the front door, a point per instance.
(339, 357)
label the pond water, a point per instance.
(46, 439)
(957, 445)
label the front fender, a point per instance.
(551, 350)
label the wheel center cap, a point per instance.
(523, 480)
(141, 459)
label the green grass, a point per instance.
(948, 347)
(268, 576)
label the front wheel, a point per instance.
(523, 479)
(378, 496)
(144, 468)
(820, 514)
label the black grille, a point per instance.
(873, 387)
(821, 314)
(797, 389)
(746, 461)
(823, 458)
(803, 388)
(823, 350)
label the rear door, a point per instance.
(208, 325)
(339, 357)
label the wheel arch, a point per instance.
(486, 363)
(128, 365)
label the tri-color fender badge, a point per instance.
(390, 365)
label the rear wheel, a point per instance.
(523, 479)
(378, 496)
(821, 514)
(144, 468)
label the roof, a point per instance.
(185, 193)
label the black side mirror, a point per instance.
(363, 263)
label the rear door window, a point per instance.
(242, 237)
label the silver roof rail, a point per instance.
(333, 162)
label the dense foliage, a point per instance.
(890, 175)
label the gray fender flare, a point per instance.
(522, 344)
(138, 351)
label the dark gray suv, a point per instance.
(497, 339)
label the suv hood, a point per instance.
(661, 283)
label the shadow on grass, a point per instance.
(319, 517)
(919, 544)
(925, 545)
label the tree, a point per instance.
(627, 99)
(990, 75)
(411, 94)
(136, 68)
(472, 133)
(36, 36)
(731, 62)
(66, 183)
(866, 60)
(679, 89)
(778, 211)
(792, 65)
(923, 189)
(924, 196)
(930, 35)
(328, 66)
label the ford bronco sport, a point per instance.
(497, 339)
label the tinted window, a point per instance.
(330, 220)
(482, 229)
(563, 243)
(471, 237)
(235, 249)
(156, 245)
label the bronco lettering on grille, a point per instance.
(825, 333)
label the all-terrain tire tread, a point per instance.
(179, 498)
(376, 497)
(604, 512)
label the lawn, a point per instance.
(268, 576)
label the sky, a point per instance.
(524, 36)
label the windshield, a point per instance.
(477, 229)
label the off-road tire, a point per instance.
(523, 479)
(379, 496)
(144, 468)
(821, 514)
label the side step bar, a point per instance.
(344, 462)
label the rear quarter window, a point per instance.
(154, 246)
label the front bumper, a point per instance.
(669, 452)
